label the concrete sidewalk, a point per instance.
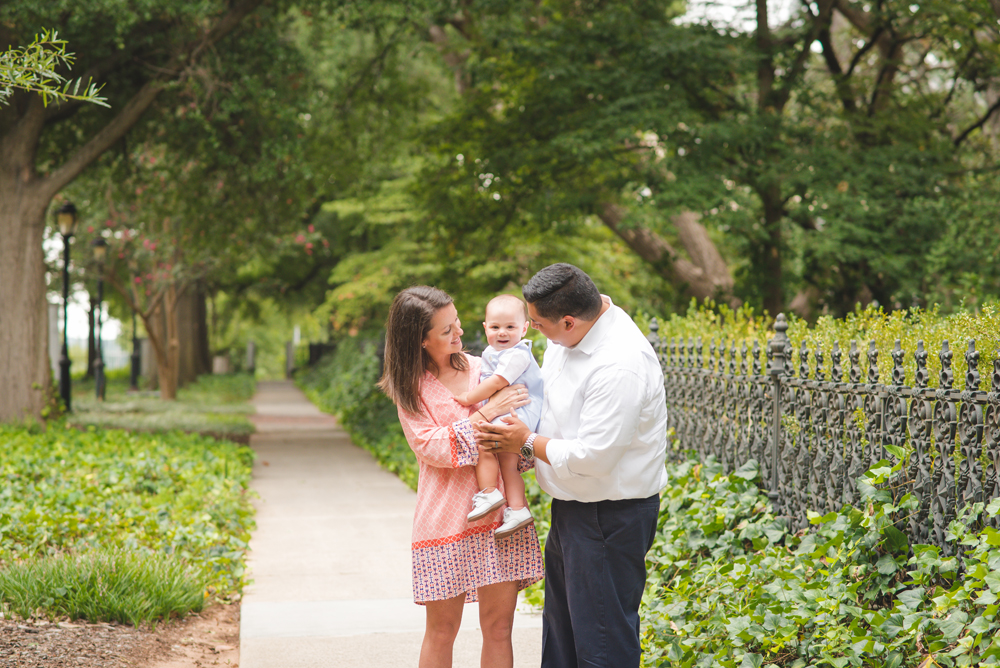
(330, 559)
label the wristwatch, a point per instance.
(528, 449)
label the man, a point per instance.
(599, 451)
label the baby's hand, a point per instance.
(463, 398)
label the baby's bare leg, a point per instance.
(513, 484)
(486, 472)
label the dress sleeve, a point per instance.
(449, 446)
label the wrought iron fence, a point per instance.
(813, 434)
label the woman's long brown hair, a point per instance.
(407, 326)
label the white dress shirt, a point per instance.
(606, 415)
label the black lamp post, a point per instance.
(66, 220)
(133, 378)
(100, 247)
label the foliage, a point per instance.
(213, 405)
(709, 322)
(33, 68)
(101, 585)
(730, 587)
(71, 491)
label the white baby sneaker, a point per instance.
(484, 503)
(514, 520)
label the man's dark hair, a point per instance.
(561, 289)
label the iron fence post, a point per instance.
(777, 346)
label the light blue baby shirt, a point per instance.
(495, 361)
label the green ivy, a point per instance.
(730, 586)
(66, 490)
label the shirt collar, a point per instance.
(588, 344)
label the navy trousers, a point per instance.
(595, 571)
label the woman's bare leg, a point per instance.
(496, 617)
(443, 621)
(486, 471)
(513, 484)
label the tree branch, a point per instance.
(141, 101)
(978, 124)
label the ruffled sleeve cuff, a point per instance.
(464, 451)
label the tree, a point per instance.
(137, 53)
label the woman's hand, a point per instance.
(504, 401)
(507, 437)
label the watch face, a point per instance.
(527, 451)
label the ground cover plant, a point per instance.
(729, 586)
(215, 405)
(77, 501)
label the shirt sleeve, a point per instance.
(512, 364)
(448, 446)
(608, 422)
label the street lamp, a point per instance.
(66, 220)
(100, 247)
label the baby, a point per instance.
(507, 360)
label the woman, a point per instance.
(454, 561)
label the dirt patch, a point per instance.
(211, 638)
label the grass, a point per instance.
(128, 587)
(213, 405)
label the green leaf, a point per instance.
(752, 661)
(886, 565)
(895, 540)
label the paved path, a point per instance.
(330, 559)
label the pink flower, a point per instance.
(309, 246)
(138, 280)
(300, 239)
(90, 229)
(312, 228)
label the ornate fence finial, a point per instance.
(778, 344)
(690, 349)
(898, 373)
(872, 363)
(700, 360)
(654, 337)
(836, 370)
(755, 357)
(921, 376)
(818, 356)
(947, 375)
(804, 362)
(855, 356)
(711, 356)
(972, 375)
(743, 358)
(672, 352)
(732, 358)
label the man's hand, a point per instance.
(507, 437)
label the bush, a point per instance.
(710, 322)
(176, 495)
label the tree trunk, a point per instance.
(24, 317)
(204, 348)
(767, 255)
(192, 335)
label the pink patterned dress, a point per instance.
(452, 556)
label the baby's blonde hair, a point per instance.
(508, 299)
